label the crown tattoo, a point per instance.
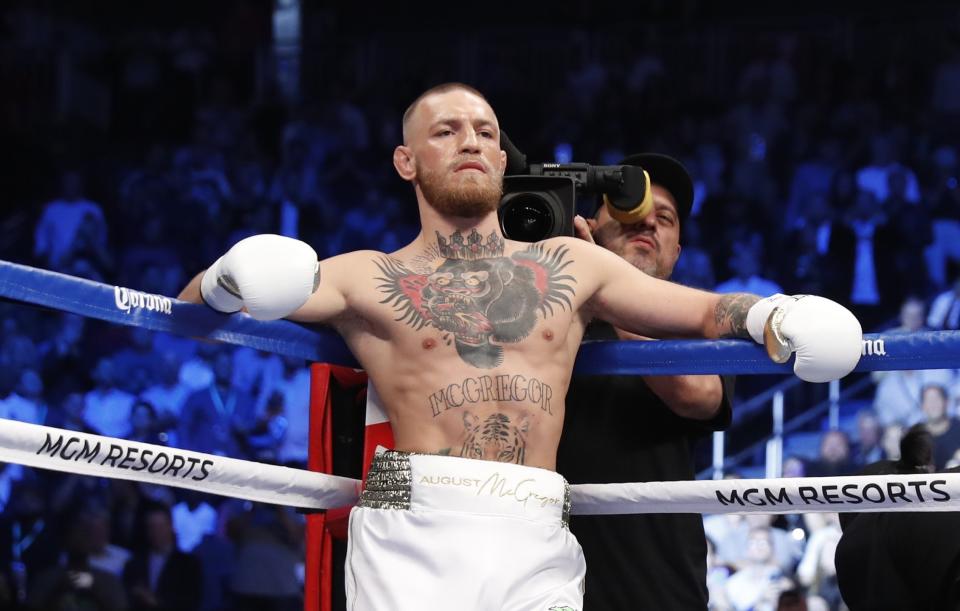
(473, 247)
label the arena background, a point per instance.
(139, 140)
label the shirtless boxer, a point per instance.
(470, 340)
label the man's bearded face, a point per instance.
(465, 193)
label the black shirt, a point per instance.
(618, 430)
(899, 561)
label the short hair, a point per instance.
(940, 388)
(916, 450)
(441, 88)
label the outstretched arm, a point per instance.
(271, 277)
(191, 292)
(633, 301)
(825, 336)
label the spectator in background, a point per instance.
(295, 184)
(812, 178)
(891, 441)
(262, 442)
(125, 501)
(816, 570)
(794, 466)
(196, 372)
(868, 246)
(911, 316)
(69, 414)
(869, 432)
(295, 387)
(874, 178)
(136, 365)
(167, 394)
(104, 555)
(215, 417)
(17, 352)
(944, 199)
(256, 373)
(87, 255)
(217, 553)
(731, 535)
(29, 539)
(10, 474)
(694, 267)
(106, 407)
(146, 193)
(717, 575)
(834, 457)
(61, 221)
(144, 424)
(26, 403)
(897, 398)
(63, 348)
(746, 259)
(363, 225)
(160, 577)
(944, 429)
(270, 545)
(909, 226)
(759, 580)
(147, 262)
(945, 310)
(75, 583)
(903, 560)
(809, 271)
(193, 517)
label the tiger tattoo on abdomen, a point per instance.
(495, 438)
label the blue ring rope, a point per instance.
(120, 305)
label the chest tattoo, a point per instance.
(477, 295)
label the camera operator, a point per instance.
(640, 428)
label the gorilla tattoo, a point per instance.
(480, 300)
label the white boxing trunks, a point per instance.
(439, 532)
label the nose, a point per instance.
(471, 143)
(648, 222)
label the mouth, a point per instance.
(471, 165)
(645, 240)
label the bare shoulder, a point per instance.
(350, 267)
(573, 247)
(348, 259)
(588, 261)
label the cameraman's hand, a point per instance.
(583, 228)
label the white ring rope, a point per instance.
(61, 450)
(85, 454)
(867, 493)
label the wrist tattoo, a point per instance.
(731, 314)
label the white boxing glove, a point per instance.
(270, 275)
(826, 336)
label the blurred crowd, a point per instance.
(816, 171)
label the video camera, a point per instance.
(539, 200)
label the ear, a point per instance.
(503, 162)
(404, 164)
(679, 248)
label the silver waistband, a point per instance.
(389, 484)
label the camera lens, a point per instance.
(528, 217)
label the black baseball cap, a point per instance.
(669, 174)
